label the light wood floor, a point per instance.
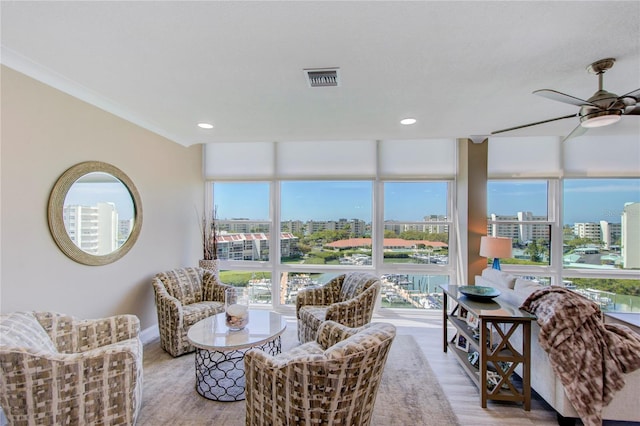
(426, 327)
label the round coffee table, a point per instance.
(220, 351)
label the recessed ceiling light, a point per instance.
(205, 125)
(408, 121)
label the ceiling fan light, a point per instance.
(600, 119)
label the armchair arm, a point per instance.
(270, 379)
(95, 333)
(212, 288)
(59, 328)
(167, 305)
(324, 295)
(357, 311)
(331, 332)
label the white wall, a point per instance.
(44, 132)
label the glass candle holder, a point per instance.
(236, 307)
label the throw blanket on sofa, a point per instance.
(588, 356)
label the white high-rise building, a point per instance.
(515, 229)
(631, 235)
(609, 232)
(590, 230)
(94, 229)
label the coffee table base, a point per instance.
(220, 374)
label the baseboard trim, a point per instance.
(149, 334)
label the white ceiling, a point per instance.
(460, 68)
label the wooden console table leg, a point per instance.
(484, 353)
(526, 367)
(445, 315)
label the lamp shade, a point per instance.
(495, 247)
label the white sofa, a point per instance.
(625, 403)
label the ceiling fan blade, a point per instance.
(633, 111)
(578, 131)
(554, 95)
(534, 124)
(633, 94)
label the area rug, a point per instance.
(409, 393)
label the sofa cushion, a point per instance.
(22, 330)
(355, 283)
(484, 282)
(184, 284)
(524, 287)
(499, 278)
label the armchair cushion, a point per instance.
(22, 330)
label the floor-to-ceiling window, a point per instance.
(568, 227)
(244, 222)
(601, 240)
(315, 212)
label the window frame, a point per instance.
(378, 267)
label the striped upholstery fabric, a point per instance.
(348, 299)
(55, 369)
(332, 380)
(184, 296)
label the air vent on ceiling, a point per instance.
(326, 77)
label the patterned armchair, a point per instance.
(332, 380)
(348, 299)
(183, 297)
(55, 369)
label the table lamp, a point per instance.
(496, 248)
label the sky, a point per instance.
(586, 200)
(89, 194)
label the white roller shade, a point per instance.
(239, 160)
(418, 158)
(323, 159)
(613, 156)
(524, 157)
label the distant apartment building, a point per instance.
(94, 229)
(610, 233)
(603, 231)
(631, 235)
(356, 227)
(124, 229)
(395, 227)
(242, 226)
(253, 246)
(516, 228)
(432, 228)
(293, 226)
(589, 230)
(436, 229)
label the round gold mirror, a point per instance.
(95, 213)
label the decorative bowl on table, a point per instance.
(479, 292)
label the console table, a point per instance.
(495, 321)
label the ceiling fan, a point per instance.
(601, 109)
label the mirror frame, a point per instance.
(56, 207)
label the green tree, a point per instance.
(534, 251)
